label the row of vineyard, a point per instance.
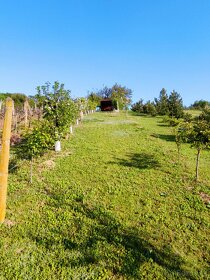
(33, 130)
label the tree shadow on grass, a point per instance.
(103, 242)
(139, 160)
(13, 166)
(167, 137)
(163, 125)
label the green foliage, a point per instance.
(149, 108)
(165, 105)
(200, 104)
(181, 134)
(199, 134)
(205, 115)
(81, 104)
(162, 104)
(187, 117)
(138, 106)
(119, 94)
(36, 142)
(31, 101)
(122, 95)
(199, 137)
(18, 98)
(58, 108)
(93, 100)
(175, 105)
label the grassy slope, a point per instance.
(115, 206)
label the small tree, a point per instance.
(138, 106)
(176, 108)
(122, 95)
(181, 135)
(58, 108)
(35, 143)
(94, 99)
(149, 108)
(196, 133)
(199, 137)
(162, 103)
(205, 115)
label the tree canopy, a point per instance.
(58, 107)
(171, 105)
(200, 104)
(121, 95)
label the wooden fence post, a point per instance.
(81, 115)
(4, 157)
(26, 109)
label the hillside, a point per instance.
(115, 204)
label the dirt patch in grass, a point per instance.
(9, 223)
(50, 164)
(205, 197)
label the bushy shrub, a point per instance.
(36, 142)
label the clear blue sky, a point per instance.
(142, 44)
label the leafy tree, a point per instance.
(199, 137)
(39, 98)
(121, 95)
(81, 103)
(94, 98)
(105, 92)
(58, 108)
(200, 104)
(176, 108)
(196, 133)
(35, 142)
(91, 105)
(181, 133)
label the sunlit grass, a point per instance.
(115, 204)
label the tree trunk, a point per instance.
(26, 113)
(179, 152)
(81, 115)
(31, 171)
(197, 163)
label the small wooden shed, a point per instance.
(107, 105)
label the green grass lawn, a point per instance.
(115, 204)
(194, 113)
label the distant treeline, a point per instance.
(200, 104)
(18, 98)
(169, 105)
